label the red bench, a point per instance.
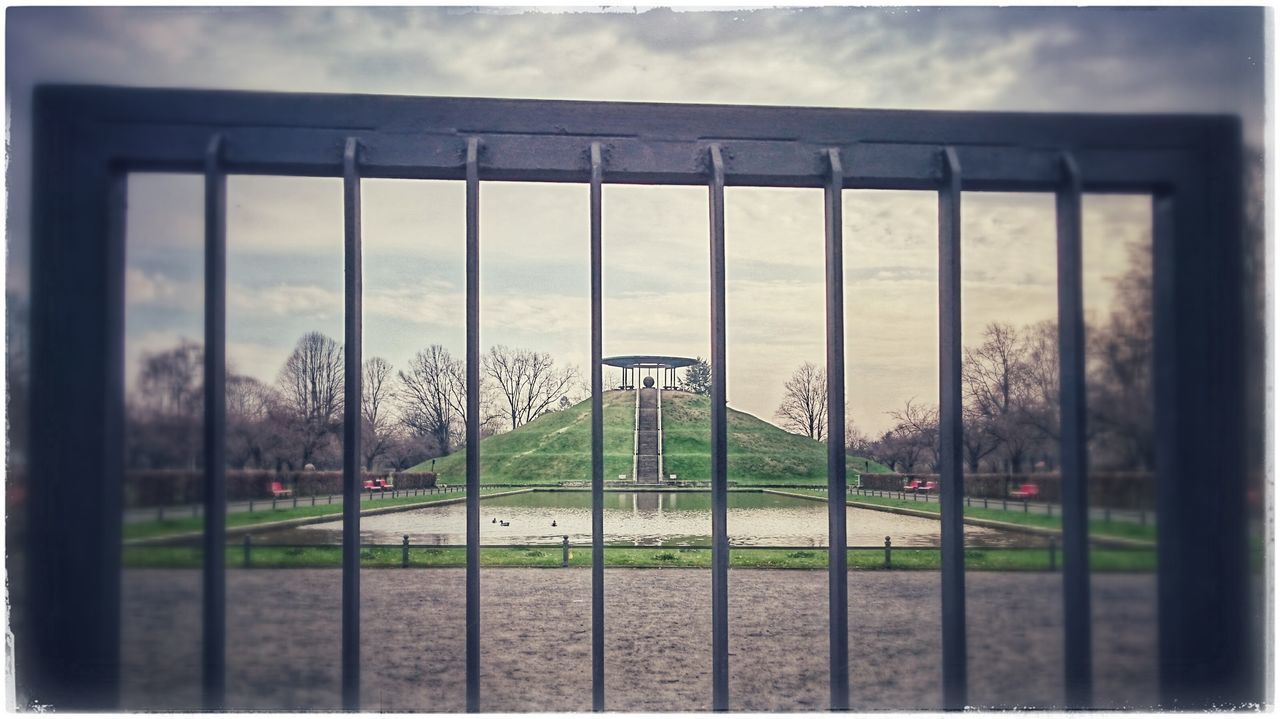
(1027, 491)
(930, 486)
(911, 486)
(278, 490)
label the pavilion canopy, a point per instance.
(628, 361)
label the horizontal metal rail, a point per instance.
(536, 141)
(557, 545)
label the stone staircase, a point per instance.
(647, 437)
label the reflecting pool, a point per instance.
(642, 519)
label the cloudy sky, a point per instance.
(285, 237)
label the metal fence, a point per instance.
(89, 138)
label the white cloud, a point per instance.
(286, 301)
(145, 288)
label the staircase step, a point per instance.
(647, 437)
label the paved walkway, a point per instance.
(284, 641)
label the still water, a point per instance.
(642, 519)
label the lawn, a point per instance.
(556, 447)
(1097, 527)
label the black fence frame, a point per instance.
(89, 138)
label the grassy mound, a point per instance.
(556, 447)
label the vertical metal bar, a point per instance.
(77, 312)
(1074, 459)
(597, 434)
(837, 537)
(719, 448)
(473, 424)
(214, 645)
(351, 430)
(954, 670)
(1202, 542)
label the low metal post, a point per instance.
(251, 504)
(888, 551)
(295, 500)
(984, 502)
(273, 503)
(564, 558)
(1004, 503)
(404, 555)
(1048, 509)
(1053, 555)
(313, 500)
(248, 543)
(1025, 509)
(331, 499)
(968, 501)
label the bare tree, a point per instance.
(165, 409)
(252, 436)
(528, 382)
(311, 387)
(804, 402)
(1121, 358)
(976, 439)
(997, 388)
(248, 398)
(857, 442)
(405, 449)
(378, 396)
(171, 382)
(1040, 347)
(917, 433)
(898, 449)
(434, 397)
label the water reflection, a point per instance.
(642, 519)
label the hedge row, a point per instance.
(1131, 490)
(152, 487)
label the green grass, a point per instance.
(996, 559)
(557, 447)
(1097, 527)
(284, 511)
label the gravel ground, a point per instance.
(284, 639)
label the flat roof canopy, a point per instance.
(627, 361)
